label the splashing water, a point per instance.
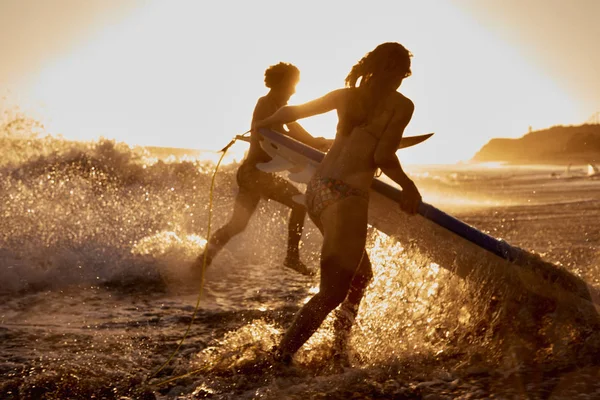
(95, 242)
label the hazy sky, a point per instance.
(188, 73)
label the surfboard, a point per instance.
(446, 240)
(407, 141)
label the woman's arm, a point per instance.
(386, 159)
(394, 171)
(288, 114)
(411, 198)
(385, 152)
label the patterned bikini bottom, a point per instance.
(322, 192)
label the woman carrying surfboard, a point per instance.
(255, 184)
(372, 117)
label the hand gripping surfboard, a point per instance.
(448, 241)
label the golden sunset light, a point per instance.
(320, 199)
(185, 74)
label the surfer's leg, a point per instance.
(295, 227)
(333, 290)
(345, 225)
(282, 191)
(348, 310)
(244, 206)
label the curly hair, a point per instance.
(281, 74)
(387, 60)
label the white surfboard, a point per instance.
(440, 234)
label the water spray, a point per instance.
(223, 151)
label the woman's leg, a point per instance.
(244, 206)
(344, 235)
(346, 314)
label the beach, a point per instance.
(96, 296)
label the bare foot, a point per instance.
(197, 267)
(298, 266)
(267, 362)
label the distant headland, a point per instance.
(556, 145)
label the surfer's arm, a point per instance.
(287, 114)
(393, 170)
(298, 132)
(388, 143)
(386, 159)
(411, 198)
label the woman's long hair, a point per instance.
(376, 75)
(387, 61)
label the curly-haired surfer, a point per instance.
(255, 184)
(372, 118)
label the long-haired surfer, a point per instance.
(372, 117)
(255, 184)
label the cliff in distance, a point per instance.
(556, 145)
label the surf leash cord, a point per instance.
(223, 151)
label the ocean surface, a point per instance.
(96, 300)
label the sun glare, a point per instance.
(173, 74)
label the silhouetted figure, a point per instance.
(372, 117)
(255, 184)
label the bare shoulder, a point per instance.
(402, 103)
(262, 102)
(264, 108)
(339, 95)
(403, 109)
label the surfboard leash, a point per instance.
(223, 151)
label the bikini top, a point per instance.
(374, 125)
(379, 123)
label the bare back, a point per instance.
(265, 106)
(352, 156)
